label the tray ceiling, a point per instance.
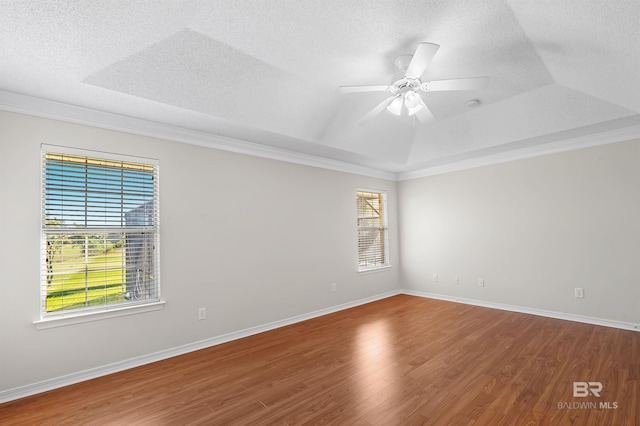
(266, 73)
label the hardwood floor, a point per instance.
(399, 361)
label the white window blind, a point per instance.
(99, 231)
(373, 246)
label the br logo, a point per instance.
(582, 389)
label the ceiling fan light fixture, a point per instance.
(395, 107)
(413, 102)
(411, 99)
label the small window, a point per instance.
(373, 241)
(99, 231)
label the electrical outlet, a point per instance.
(456, 280)
(435, 278)
(333, 287)
(578, 293)
(202, 313)
(480, 282)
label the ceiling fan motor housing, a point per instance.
(404, 85)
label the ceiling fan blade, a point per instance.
(421, 59)
(472, 83)
(357, 89)
(424, 114)
(374, 112)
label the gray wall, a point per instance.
(252, 240)
(533, 229)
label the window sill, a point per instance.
(78, 318)
(375, 269)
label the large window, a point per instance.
(99, 231)
(373, 241)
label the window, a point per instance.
(373, 241)
(99, 231)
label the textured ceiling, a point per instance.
(268, 72)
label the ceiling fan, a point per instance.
(404, 91)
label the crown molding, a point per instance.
(569, 144)
(30, 105)
(39, 107)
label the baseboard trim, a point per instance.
(81, 376)
(58, 382)
(525, 310)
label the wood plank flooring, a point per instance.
(399, 361)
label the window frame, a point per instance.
(385, 227)
(107, 310)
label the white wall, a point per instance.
(236, 230)
(252, 240)
(533, 229)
